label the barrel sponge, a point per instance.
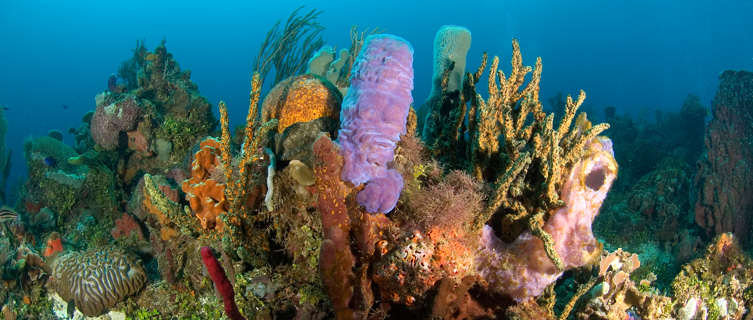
(451, 44)
(301, 99)
(108, 121)
(373, 116)
(96, 280)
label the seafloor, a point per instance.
(341, 197)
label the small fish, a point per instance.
(7, 214)
(50, 162)
(65, 106)
(6, 108)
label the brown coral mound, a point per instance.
(96, 280)
(301, 99)
(725, 176)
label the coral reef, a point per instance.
(613, 295)
(725, 175)
(60, 185)
(373, 118)
(653, 197)
(173, 115)
(718, 285)
(677, 135)
(337, 199)
(656, 210)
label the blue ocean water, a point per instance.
(635, 55)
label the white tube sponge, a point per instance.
(451, 44)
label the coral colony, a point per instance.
(340, 198)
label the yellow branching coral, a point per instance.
(507, 144)
(237, 189)
(242, 187)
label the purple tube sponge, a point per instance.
(373, 117)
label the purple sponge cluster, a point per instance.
(373, 117)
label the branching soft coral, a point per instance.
(528, 159)
(523, 268)
(289, 49)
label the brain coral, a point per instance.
(301, 99)
(96, 280)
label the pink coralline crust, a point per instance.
(373, 116)
(138, 142)
(170, 192)
(522, 269)
(108, 121)
(126, 226)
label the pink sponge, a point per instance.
(521, 269)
